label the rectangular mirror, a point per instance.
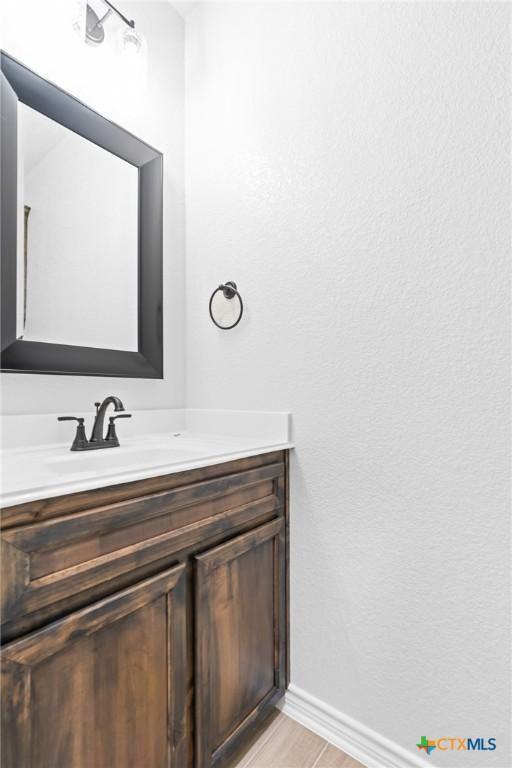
(78, 209)
(81, 237)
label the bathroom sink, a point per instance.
(104, 460)
(44, 469)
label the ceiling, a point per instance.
(184, 7)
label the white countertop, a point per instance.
(156, 443)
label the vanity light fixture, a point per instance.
(93, 31)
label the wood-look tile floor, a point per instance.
(283, 743)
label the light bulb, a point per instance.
(79, 18)
(131, 42)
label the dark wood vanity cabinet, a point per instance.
(100, 686)
(240, 637)
(145, 624)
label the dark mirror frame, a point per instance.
(21, 84)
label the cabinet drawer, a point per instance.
(47, 562)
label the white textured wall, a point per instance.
(347, 166)
(148, 101)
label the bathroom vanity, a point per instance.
(144, 588)
(145, 623)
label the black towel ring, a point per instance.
(229, 291)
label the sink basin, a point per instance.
(104, 460)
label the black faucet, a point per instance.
(80, 443)
(97, 429)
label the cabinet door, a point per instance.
(103, 687)
(240, 638)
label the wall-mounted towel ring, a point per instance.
(226, 306)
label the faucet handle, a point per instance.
(71, 418)
(111, 431)
(80, 440)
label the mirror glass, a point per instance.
(77, 250)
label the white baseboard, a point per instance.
(369, 747)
